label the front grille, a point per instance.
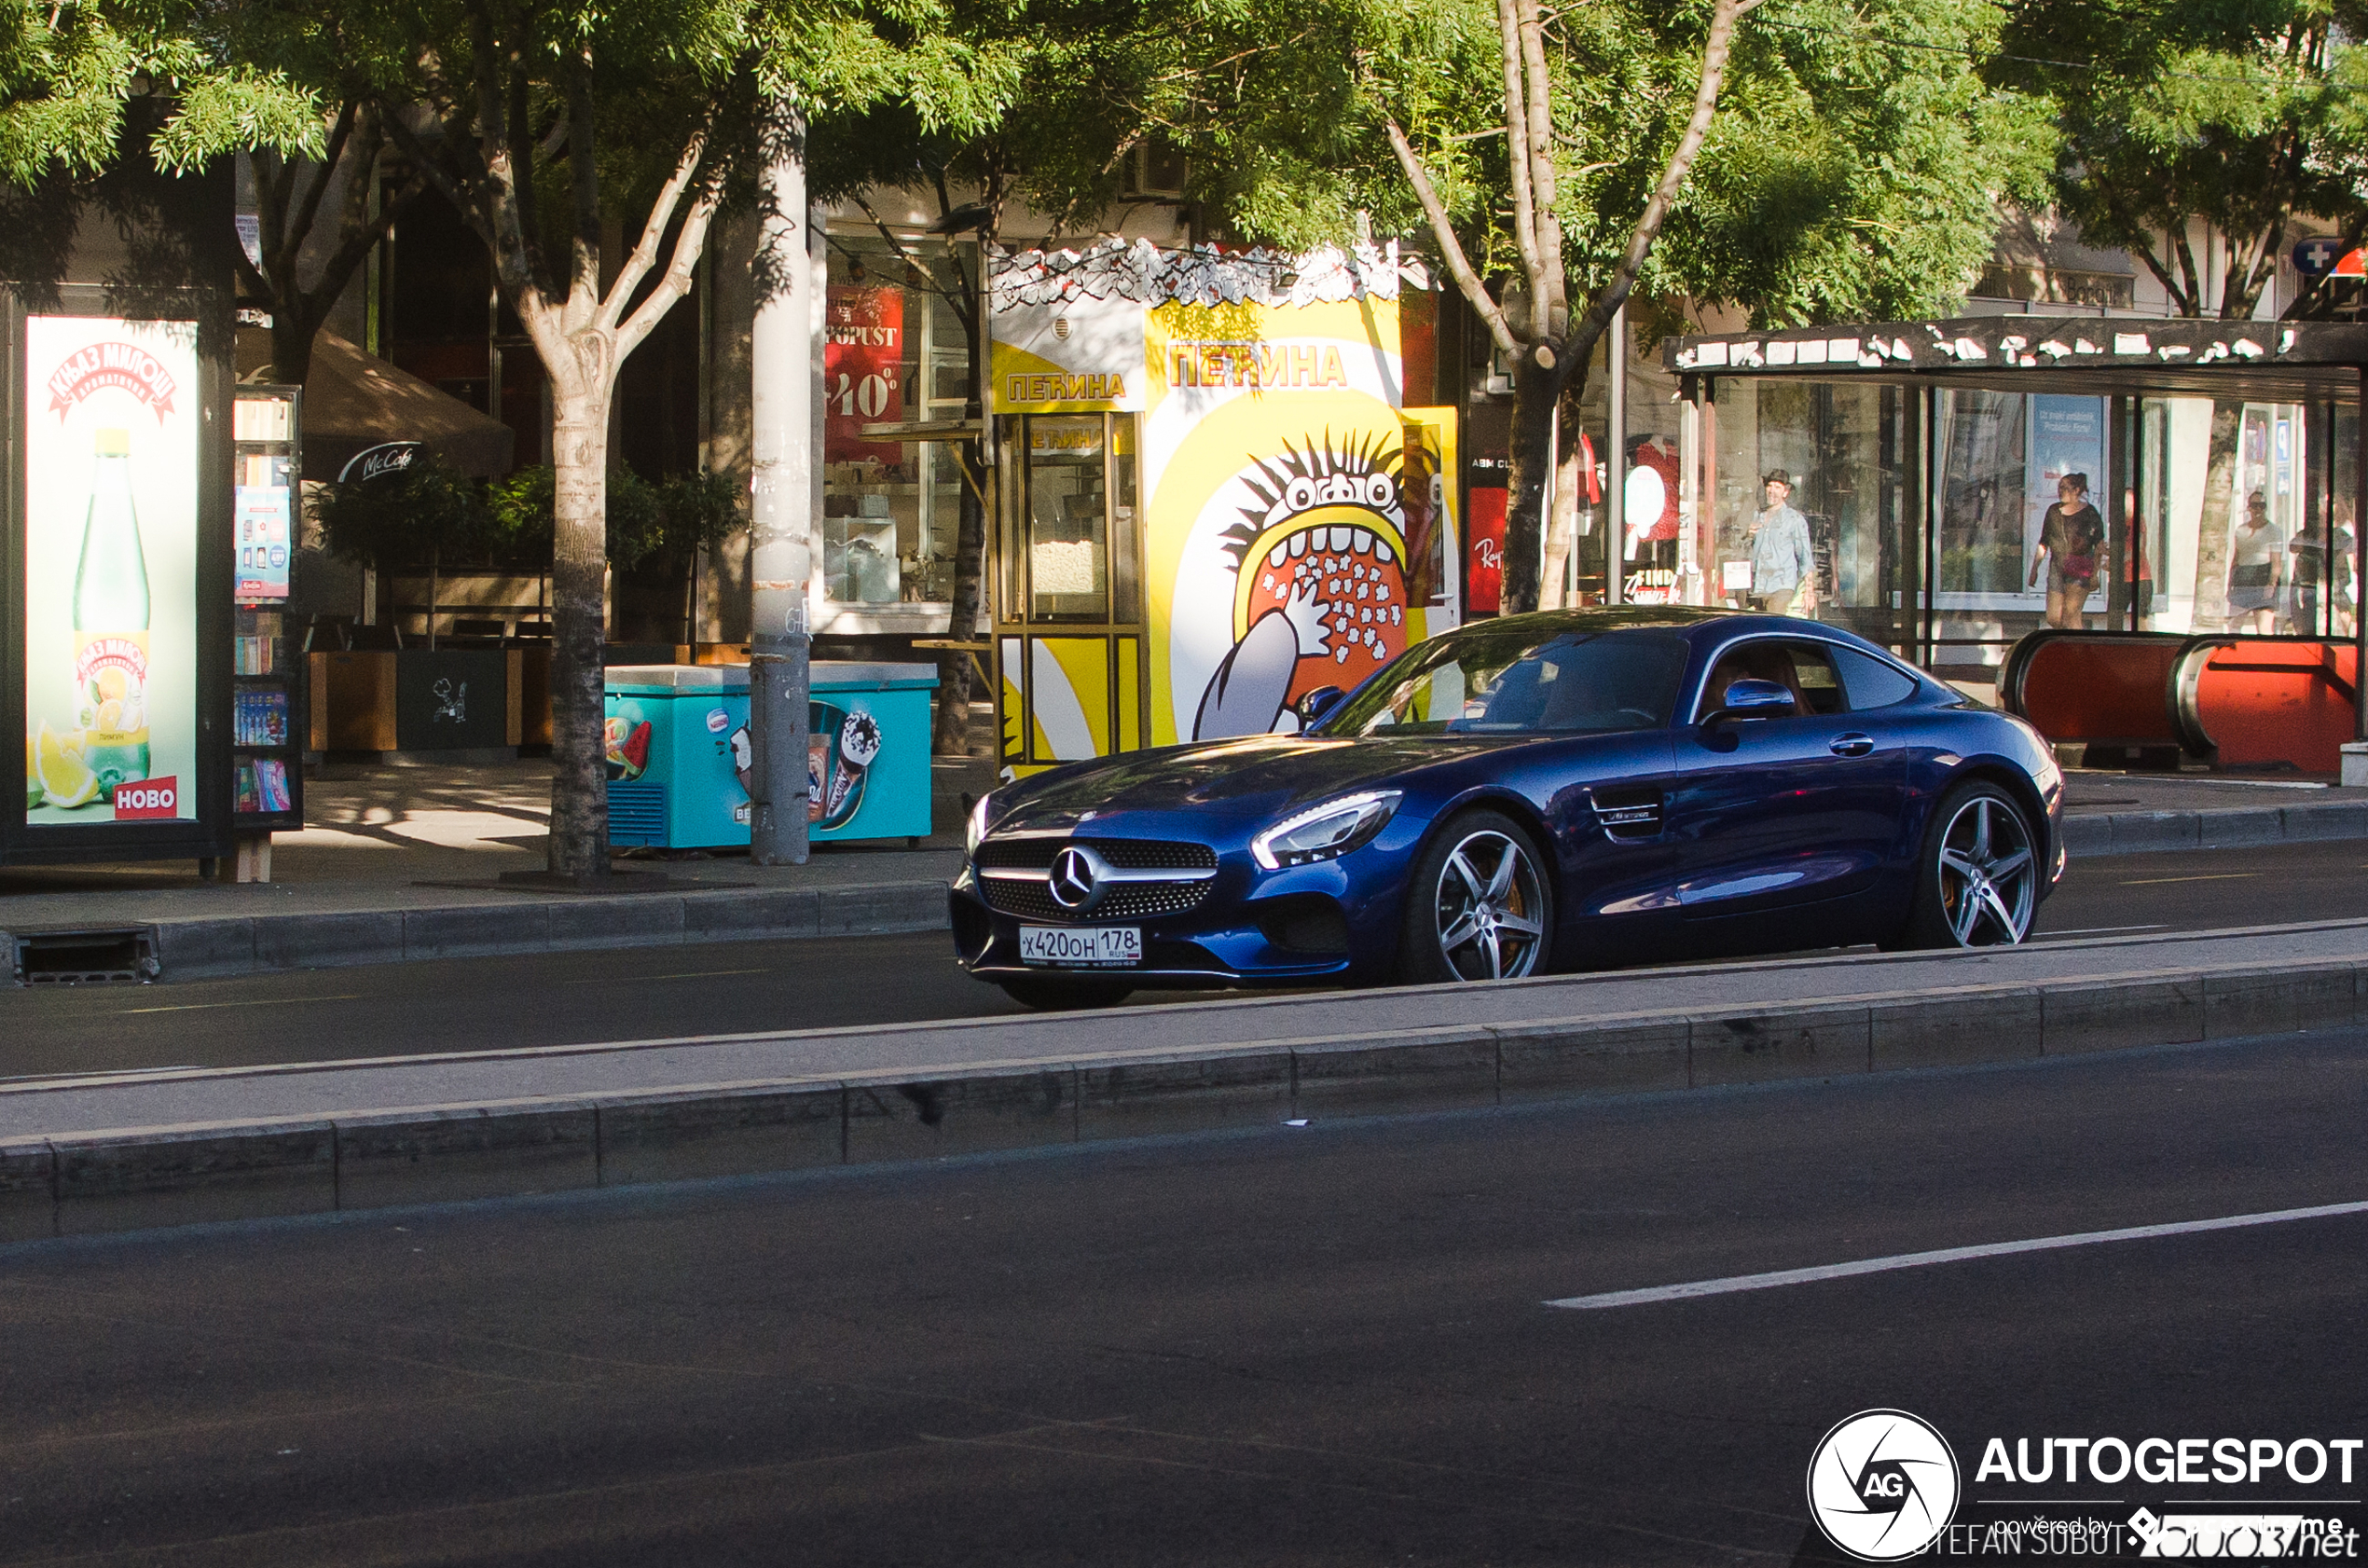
(1031, 899)
(1125, 901)
(1127, 854)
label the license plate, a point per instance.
(1082, 947)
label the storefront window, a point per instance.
(895, 353)
(1069, 531)
(1830, 454)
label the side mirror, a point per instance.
(1318, 704)
(1754, 699)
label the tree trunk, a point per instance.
(1570, 485)
(2213, 533)
(579, 566)
(291, 345)
(952, 739)
(1531, 457)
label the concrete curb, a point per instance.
(2139, 832)
(214, 949)
(142, 1178)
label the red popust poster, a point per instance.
(863, 371)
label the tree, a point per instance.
(1547, 346)
(425, 513)
(544, 120)
(1047, 117)
(289, 194)
(2238, 118)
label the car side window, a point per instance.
(1870, 682)
(1802, 668)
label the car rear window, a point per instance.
(1481, 682)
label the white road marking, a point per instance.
(252, 1001)
(2214, 876)
(1945, 1255)
(2098, 931)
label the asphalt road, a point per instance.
(473, 1004)
(1328, 1345)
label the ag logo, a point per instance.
(1882, 1485)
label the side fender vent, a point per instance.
(1627, 816)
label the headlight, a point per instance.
(977, 828)
(1327, 830)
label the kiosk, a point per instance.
(1213, 499)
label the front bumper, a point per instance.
(1304, 926)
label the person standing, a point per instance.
(2069, 537)
(2256, 568)
(1783, 563)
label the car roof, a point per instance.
(1695, 624)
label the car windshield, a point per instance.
(1512, 681)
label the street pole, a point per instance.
(781, 521)
(1616, 470)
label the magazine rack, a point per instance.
(267, 742)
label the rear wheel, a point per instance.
(1065, 996)
(1978, 879)
(1479, 906)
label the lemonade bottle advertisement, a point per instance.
(111, 511)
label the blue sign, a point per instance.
(2316, 258)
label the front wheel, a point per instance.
(1478, 905)
(1978, 879)
(1059, 996)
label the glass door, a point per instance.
(1069, 634)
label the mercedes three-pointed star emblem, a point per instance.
(1075, 884)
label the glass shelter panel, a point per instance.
(1809, 494)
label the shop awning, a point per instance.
(354, 400)
(2103, 356)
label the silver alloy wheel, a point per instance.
(1489, 910)
(1989, 876)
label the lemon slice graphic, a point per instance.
(63, 777)
(32, 796)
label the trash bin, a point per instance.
(678, 753)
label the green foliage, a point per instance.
(2240, 113)
(69, 72)
(665, 522)
(429, 510)
(1854, 168)
(519, 514)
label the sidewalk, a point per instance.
(177, 1146)
(403, 863)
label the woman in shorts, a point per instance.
(2256, 568)
(2069, 538)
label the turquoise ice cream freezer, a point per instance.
(677, 749)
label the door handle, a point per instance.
(1851, 744)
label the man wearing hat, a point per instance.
(1782, 562)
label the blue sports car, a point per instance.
(1549, 791)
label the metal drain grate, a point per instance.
(103, 956)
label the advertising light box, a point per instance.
(110, 606)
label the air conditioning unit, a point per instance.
(1158, 171)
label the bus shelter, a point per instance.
(2221, 456)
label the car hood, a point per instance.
(1255, 775)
